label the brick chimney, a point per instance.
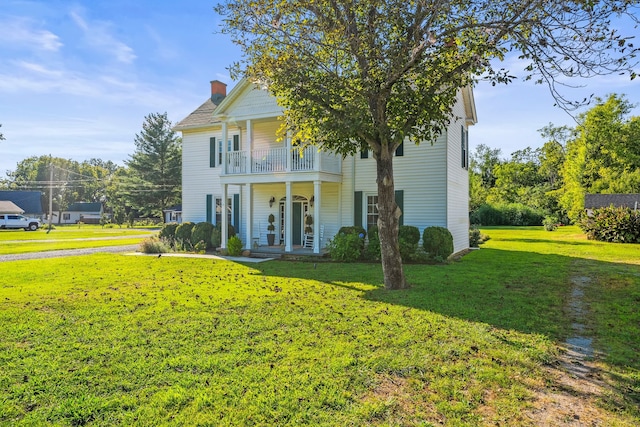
(218, 91)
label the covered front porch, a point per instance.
(294, 217)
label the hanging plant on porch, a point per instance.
(308, 222)
(271, 228)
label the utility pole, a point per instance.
(50, 196)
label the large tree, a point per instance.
(604, 156)
(155, 169)
(367, 74)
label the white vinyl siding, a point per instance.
(458, 182)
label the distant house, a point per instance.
(7, 207)
(29, 201)
(173, 214)
(595, 201)
(87, 212)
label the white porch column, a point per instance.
(317, 200)
(318, 162)
(225, 147)
(225, 220)
(288, 218)
(249, 147)
(288, 153)
(249, 215)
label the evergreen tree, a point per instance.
(155, 169)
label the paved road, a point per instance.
(69, 252)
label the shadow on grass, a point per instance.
(523, 291)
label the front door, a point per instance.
(297, 223)
(300, 210)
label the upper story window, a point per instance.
(464, 147)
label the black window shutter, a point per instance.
(400, 149)
(236, 212)
(462, 147)
(209, 208)
(212, 152)
(400, 203)
(357, 208)
(236, 142)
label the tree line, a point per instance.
(148, 183)
(601, 154)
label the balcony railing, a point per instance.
(272, 160)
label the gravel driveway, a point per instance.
(68, 252)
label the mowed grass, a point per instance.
(134, 340)
(68, 237)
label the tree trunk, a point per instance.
(388, 224)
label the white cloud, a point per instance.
(98, 35)
(20, 32)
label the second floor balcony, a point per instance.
(281, 160)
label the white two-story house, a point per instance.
(233, 162)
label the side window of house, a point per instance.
(212, 152)
(464, 147)
(372, 211)
(219, 210)
(66, 216)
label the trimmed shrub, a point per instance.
(183, 236)
(616, 225)
(168, 233)
(231, 231)
(346, 247)
(372, 251)
(201, 232)
(216, 238)
(437, 242)
(234, 246)
(408, 238)
(353, 229)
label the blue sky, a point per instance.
(78, 78)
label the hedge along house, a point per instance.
(236, 172)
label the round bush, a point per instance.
(183, 235)
(437, 242)
(346, 247)
(408, 238)
(201, 232)
(409, 233)
(231, 231)
(216, 238)
(168, 232)
(353, 229)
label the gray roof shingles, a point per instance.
(202, 116)
(594, 201)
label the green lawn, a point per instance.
(132, 340)
(69, 237)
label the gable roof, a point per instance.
(85, 207)
(9, 207)
(201, 117)
(593, 201)
(28, 201)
